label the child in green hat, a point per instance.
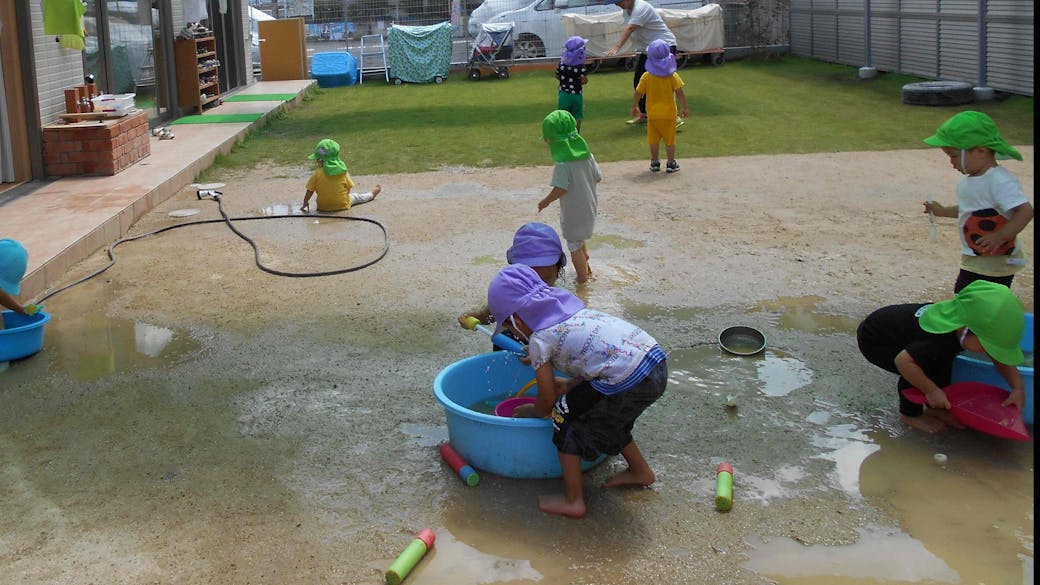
(991, 208)
(574, 180)
(919, 341)
(332, 182)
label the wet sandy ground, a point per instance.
(195, 420)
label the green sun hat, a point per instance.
(971, 129)
(990, 310)
(327, 152)
(560, 129)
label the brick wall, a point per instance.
(104, 149)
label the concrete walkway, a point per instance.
(66, 220)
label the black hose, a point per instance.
(256, 250)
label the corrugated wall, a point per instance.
(934, 39)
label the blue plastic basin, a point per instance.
(22, 335)
(511, 447)
(334, 69)
(973, 367)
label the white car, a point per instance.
(538, 27)
(488, 10)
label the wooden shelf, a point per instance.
(190, 56)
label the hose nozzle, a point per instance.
(208, 194)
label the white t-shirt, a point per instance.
(651, 26)
(592, 346)
(985, 203)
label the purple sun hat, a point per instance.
(659, 59)
(517, 289)
(574, 52)
(536, 244)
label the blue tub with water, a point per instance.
(512, 447)
(22, 335)
(973, 367)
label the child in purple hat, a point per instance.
(661, 86)
(536, 245)
(616, 370)
(572, 75)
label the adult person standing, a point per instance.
(643, 25)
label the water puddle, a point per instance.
(93, 346)
(486, 260)
(281, 209)
(800, 314)
(452, 562)
(880, 554)
(614, 241)
(773, 372)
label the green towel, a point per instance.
(261, 97)
(217, 118)
(63, 17)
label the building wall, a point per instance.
(57, 69)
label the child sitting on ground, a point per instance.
(991, 207)
(616, 370)
(919, 341)
(574, 180)
(331, 181)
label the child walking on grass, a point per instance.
(616, 370)
(991, 207)
(661, 86)
(331, 181)
(574, 180)
(572, 75)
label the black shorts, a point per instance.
(588, 423)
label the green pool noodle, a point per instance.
(409, 557)
(724, 487)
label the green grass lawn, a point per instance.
(788, 105)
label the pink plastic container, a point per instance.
(506, 407)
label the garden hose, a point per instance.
(224, 218)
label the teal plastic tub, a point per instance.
(22, 335)
(973, 367)
(511, 447)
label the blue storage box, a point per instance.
(973, 367)
(334, 69)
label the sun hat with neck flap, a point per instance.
(327, 152)
(13, 262)
(990, 310)
(536, 244)
(659, 59)
(971, 129)
(560, 129)
(574, 52)
(517, 289)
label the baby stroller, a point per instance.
(494, 43)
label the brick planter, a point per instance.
(104, 149)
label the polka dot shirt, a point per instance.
(570, 77)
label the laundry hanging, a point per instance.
(64, 18)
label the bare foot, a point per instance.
(376, 190)
(629, 477)
(932, 421)
(557, 504)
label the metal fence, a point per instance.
(337, 25)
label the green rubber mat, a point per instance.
(261, 97)
(217, 118)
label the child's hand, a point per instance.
(933, 207)
(635, 111)
(542, 205)
(1017, 398)
(684, 113)
(937, 399)
(990, 243)
(525, 411)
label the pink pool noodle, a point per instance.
(452, 457)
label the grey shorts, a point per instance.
(588, 423)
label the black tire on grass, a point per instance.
(938, 93)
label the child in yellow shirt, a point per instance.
(661, 86)
(332, 182)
